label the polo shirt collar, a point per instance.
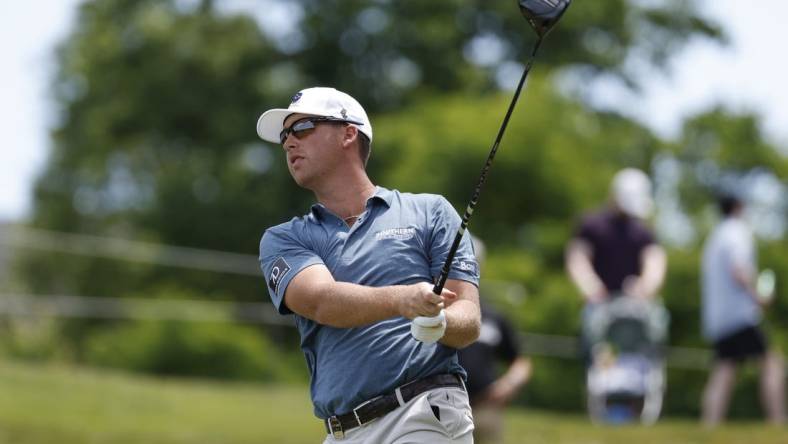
(318, 210)
(383, 194)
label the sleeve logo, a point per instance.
(278, 271)
(467, 266)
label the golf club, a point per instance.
(542, 15)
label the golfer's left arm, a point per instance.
(463, 316)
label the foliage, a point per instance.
(186, 349)
(536, 186)
(29, 339)
(390, 53)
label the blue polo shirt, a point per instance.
(400, 239)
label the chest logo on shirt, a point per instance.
(396, 233)
(278, 271)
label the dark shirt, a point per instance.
(497, 343)
(617, 242)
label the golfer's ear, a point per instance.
(349, 136)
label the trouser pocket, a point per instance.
(451, 409)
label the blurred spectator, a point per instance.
(613, 252)
(496, 347)
(731, 314)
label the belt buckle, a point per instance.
(355, 413)
(335, 427)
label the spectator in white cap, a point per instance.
(612, 252)
(631, 193)
(356, 270)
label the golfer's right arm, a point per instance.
(314, 294)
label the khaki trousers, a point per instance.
(417, 422)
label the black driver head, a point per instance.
(543, 14)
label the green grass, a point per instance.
(68, 405)
(546, 428)
(64, 405)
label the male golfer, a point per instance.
(355, 271)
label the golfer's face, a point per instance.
(311, 148)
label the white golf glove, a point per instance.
(428, 329)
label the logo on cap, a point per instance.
(295, 98)
(344, 113)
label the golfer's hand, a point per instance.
(419, 300)
(428, 329)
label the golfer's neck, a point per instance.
(346, 196)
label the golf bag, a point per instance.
(625, 379)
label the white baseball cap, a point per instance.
(631, 191)
(318, 101)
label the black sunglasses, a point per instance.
(304, 126)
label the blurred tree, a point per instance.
(724, 152)
(556, 157)
(390, 52)
(156, 142)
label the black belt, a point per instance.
(337, 425)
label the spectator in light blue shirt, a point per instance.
(356, 270)
(731, 314)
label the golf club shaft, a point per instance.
(438, 288)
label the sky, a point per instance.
(747, 74)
